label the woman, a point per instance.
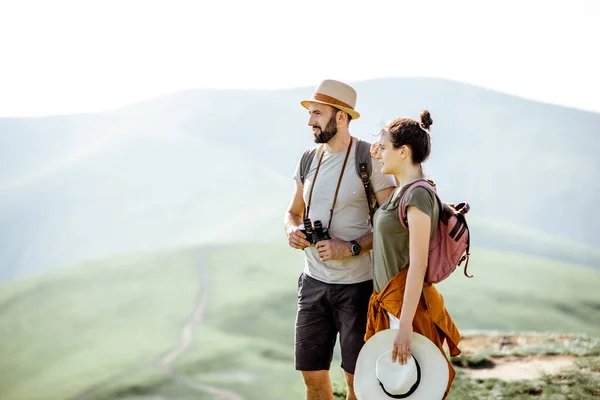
(402, 299)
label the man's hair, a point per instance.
(348, 116)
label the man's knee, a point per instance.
(316, 378)
(318, 386)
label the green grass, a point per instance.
(63, 331)
(582, 382)
(571, 385)
(252, 321)
(81, 327)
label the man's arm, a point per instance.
(365, 242)
(336, 249)
(293, 218)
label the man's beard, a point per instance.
(325, 135)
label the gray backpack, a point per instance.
(363, 170)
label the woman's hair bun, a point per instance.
(426, 119)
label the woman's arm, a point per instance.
(419, 232)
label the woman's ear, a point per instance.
(404, 152)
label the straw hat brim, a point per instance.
(354, 114)
(434, 367)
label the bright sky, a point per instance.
(62, 57)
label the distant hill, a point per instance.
(216, 165)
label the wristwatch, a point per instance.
(355, 248)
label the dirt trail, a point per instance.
(165, 362)
(186, 336)
(195, 319)
(513, 367)
(524, 369)
(222, 393)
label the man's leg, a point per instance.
(350, 312)
(315, 337)
(349, 386)
(318, 385)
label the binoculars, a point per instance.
(314, 233)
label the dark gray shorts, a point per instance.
(324, 310)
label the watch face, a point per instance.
(355, 249)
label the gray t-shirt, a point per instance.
(350, 216)
(390, 239)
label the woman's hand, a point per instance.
(375, 149)
(402, 344)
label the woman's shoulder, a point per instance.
(422, 191)
(423, 198)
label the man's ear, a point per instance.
(338, 115)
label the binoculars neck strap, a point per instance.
(337, 189)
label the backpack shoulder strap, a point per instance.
(306, 161)
(363, 160)
(420, 183)
(363, 170)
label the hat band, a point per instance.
(412, 389)
(332, 100)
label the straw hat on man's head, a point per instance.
(336, 94)
(423, 377)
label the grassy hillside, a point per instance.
(506, 237)
(174, 171)
(99, 330)
(516, 292)
(69, 329)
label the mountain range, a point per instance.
(215, 166)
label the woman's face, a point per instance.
(389, 156)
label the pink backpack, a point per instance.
(450, 245)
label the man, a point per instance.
(335, 286)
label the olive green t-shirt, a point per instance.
(390, 239)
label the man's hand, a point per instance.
(297, 239)
(333, 249)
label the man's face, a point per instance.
(323, 121)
